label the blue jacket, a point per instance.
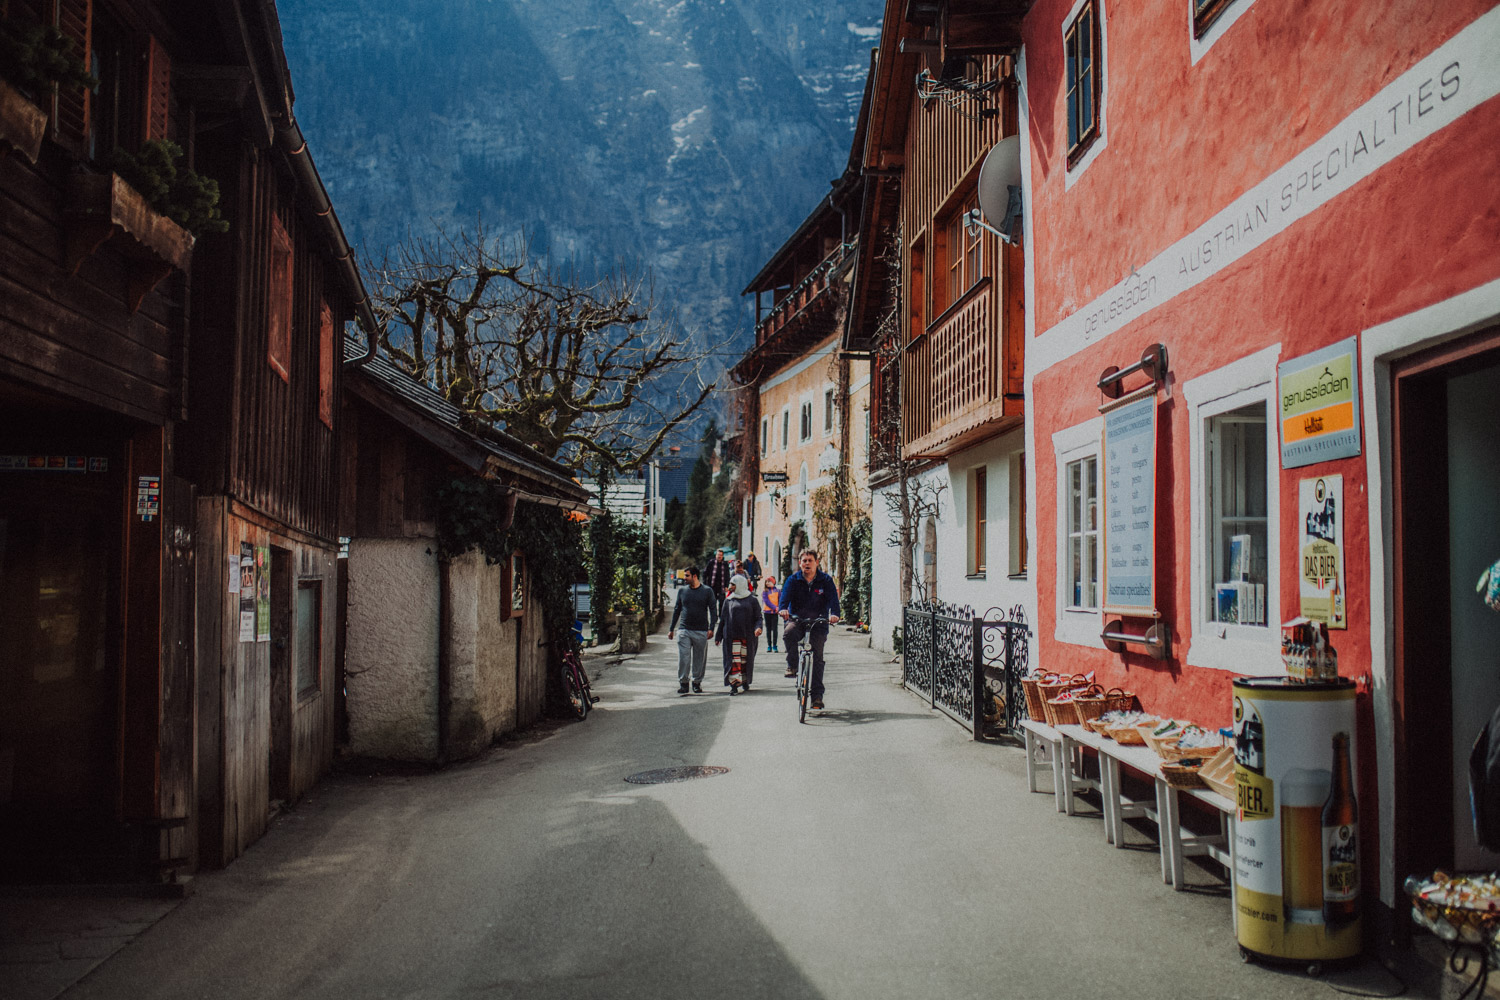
(818, 599)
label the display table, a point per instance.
(1065, 742)
(1062, 754)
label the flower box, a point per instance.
(22, 123)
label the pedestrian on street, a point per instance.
(809, 594)
(770, 601)
(751, 569)
(716, 574)
(698, 608)
(739, 619)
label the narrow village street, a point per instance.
(873, 852)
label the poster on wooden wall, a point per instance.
(247, 592)
(1129, 480)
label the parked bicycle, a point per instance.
(575, 683)
(805, 664)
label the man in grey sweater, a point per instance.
(698, 608)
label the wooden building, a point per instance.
(167, 412)
(441, 654)
(939, 305)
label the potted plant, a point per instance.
(34, 58)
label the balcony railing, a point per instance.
(804, 293)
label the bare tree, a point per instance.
(593, 374)
(913, 500)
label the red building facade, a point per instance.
(1246, 184)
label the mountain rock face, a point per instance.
(684, 138)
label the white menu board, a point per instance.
(1129, 452)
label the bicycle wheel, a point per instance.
(804, 685)
(578, 698)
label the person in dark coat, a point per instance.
(751, 568)
(716, 575)
(739, 618)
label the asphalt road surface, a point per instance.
(872, 852)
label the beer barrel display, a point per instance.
(1297, 872)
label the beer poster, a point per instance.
(1296, 848)
(1320, 509)
(247, 592)
(262, 593)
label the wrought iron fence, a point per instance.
(967, 665)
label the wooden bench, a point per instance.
(1067, 769)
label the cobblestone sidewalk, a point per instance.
(49, 942)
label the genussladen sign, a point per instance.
(1319, 406)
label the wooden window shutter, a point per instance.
(279, 304)
(75, 19)
(158, 90)
(325, 366)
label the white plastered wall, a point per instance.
(391, 651)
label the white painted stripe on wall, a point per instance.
(796, 369)
(1453, 80)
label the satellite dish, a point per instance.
(1000, 187)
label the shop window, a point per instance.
(1081, 480)
(1235, 550)
(978, 520)
(806, 425)
(1235, 496)
(827, 411)
(325, 365)
(962, 256)
(1019, 547)
(1084, 79)
(279, 302)
(308, 629)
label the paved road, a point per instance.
(872, 853)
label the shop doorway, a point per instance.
(1446, 465)
(281, 673)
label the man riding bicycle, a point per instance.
(807, 595)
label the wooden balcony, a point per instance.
(962, 381)
(809, 299)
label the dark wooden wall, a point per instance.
(257, 436)
(391, 477)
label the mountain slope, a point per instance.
(686, 137)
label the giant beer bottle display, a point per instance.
(1297, 836)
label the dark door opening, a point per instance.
(281, 673)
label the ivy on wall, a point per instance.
(470, 512)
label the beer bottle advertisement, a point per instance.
(1296, 832)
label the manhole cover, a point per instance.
(667, 774)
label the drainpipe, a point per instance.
(293, 146)
(445, 655)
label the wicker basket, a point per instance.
(1051, 689)
(1129, 736)
(1163, 745)
(1218, 773)
(1035, 705)
(1181, 776)
(1068, 713)
(1093, 705)
(1176, 752)
(1097, 726)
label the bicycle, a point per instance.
(805, 664)
(575, 681)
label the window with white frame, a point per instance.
(827, 411)
(765, 434)
(1236, 494)
(1235, 510)
(806, 425)
(979, 502)
(1081, 566)
(786, 428)
(1077, 553)
(1019, 549)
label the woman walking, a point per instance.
(739, 621)
(770, 604)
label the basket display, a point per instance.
(1126, 736)
(1464, 908)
